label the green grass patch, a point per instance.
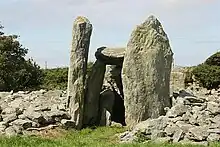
(100, 137)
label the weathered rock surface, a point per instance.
(113, 79)
(107, 99)
(82, 30)
(110, 56)
(92, 99)
(145, 87)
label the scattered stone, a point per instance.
(10, 131)
(67, 123)
(177, 110)
(213, 107)
(199, 133)
(213, 137)
(171, 129)
(22, 123)
(184, 126)
(177, 135)
(9, 118)
(118, 125)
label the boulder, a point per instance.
(10, 131)
(177, 110)
(9, 118)
(82, 30)
(199, 133)
(146, 72)
(213, 108)
(25, 124)
(67, 123)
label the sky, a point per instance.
(45, 26)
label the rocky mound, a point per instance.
(24, 112)
(191, 119)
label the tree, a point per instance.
(208, 76)
(16, 73)
(55, 78)
(214, 59)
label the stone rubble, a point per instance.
(22, 111)
(193, 119)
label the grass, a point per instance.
(100, 137)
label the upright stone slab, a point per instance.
(146, 72)
(92, 114)
(82, 30)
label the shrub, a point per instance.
(207, 76)
(16, 73)
(214, 59)
(57, 78)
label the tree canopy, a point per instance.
(16, 73)
(208, 73)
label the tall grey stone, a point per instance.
(82, 30)
(92, 108)
(146, 72)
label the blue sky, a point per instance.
(45, 26)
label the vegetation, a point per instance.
(213, 60)
(16, 73)
(207, 75)
(100, 137)
(57, 78)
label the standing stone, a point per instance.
(94, 87)
(82, 30)
(146, 72)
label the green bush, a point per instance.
(57, 78)
(214, 59)
(208, 73)
(207, 76)
(16, 73)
